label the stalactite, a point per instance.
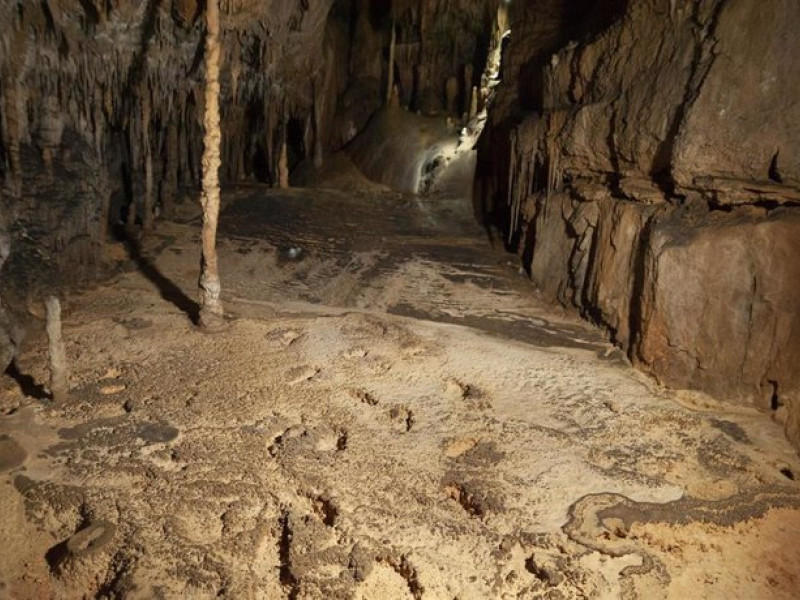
(126, 92)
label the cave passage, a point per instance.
(509, 300)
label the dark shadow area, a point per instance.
(260, 165)
(295, 142)
(91, 16)
(166, 288)
(586, 19)
(490, 192)
(27, 384)
(380, 14)
(56, 555)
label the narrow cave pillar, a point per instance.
(283, 155)
(147, 201)
(390, 69)
(59, 377)
(420, 85)
(133, 209)
(473, 104)
(104, 200)
(170, 186)
(309, 133)
(451, 95)
(236, 70)
(318, 112)
(147, 208)
(283, 166)
(211, 311)
(394, 102)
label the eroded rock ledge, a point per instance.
(649, 175)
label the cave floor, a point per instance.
(391, 413)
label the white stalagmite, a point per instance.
(473, 104)
(283, 167)
(59, 386)
(211, 312)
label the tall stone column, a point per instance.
(211, 312)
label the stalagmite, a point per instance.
(147, 202)
(390, 70)
(283, 167)
(59, 386)
(451, 93)
(420, 84)
(473, 105)
(211, 312)
(147, 217)
(170, 185)
(317, 111)
(394, 101)
(133, 210)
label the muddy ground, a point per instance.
(391, 413)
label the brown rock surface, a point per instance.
(7, 345)
(650, 154)
(720, 305)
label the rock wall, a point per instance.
(647, 173)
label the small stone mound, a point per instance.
(91, 539)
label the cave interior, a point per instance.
(384, 299)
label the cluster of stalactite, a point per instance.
(102, 106)
(423, 55)
(101, 102)
(441, 52)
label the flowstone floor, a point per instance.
(391, 413)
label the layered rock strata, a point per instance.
(649, 174)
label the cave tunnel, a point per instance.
(400, 299)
